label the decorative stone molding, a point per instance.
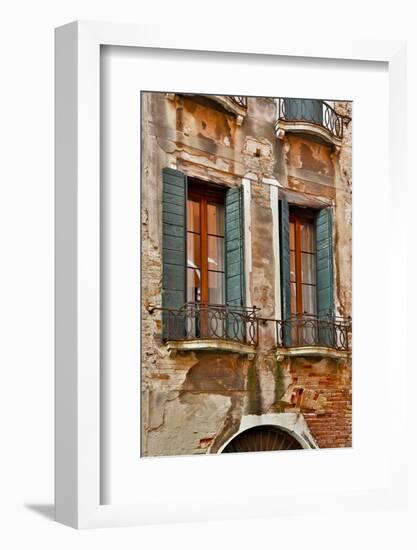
(336, 151)
(280, 133)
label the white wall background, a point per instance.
(26, 272)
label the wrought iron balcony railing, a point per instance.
(197, 321)
(205, 321)
(310, 330)
(240, 100)
(311, 110)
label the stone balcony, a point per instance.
(310, 116)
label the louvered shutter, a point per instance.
(310, 110)
(324, 259)
(284, 234)
(174, 202)
(235, 275)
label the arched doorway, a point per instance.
(262, 438)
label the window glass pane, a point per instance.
(293, 276)
(308, 268)
(215, 253)
(215, 219)
(292, 235)
(293, 298)
(193, 285)
(307, 237)
(216, 287)
(193, 216)
(193, 250)
(309, 299)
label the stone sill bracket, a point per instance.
(217, 345)
(311, 351)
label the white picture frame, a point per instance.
(78, 410)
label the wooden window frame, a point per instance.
(298, 215)
(206, 194)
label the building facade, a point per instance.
(245, 274)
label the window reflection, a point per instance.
(308, 268)
(215, 219)
(193, 250)
(215, 253)
(216, 287)
(307, 237)
(193, 285)
(193, 216)
(309, 299)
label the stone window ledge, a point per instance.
(311, 351)
(305, 127)
(227, 346)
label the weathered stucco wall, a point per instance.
(194, 402)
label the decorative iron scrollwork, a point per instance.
(240, 100)
(311, 110)
(195, 321)
(311, 330)
(206, 321)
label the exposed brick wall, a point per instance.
(321, 391)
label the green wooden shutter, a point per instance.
(235, 272)
(174, 202)
(310, 110)
(324, 259)
(284, 246)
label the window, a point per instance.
(303, 275)
(205, 248)
(202, 259)
(309, 110)
(302, 262)
(306, 275)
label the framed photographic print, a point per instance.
(221, 239)
(246, 339)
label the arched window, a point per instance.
(262, 438)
